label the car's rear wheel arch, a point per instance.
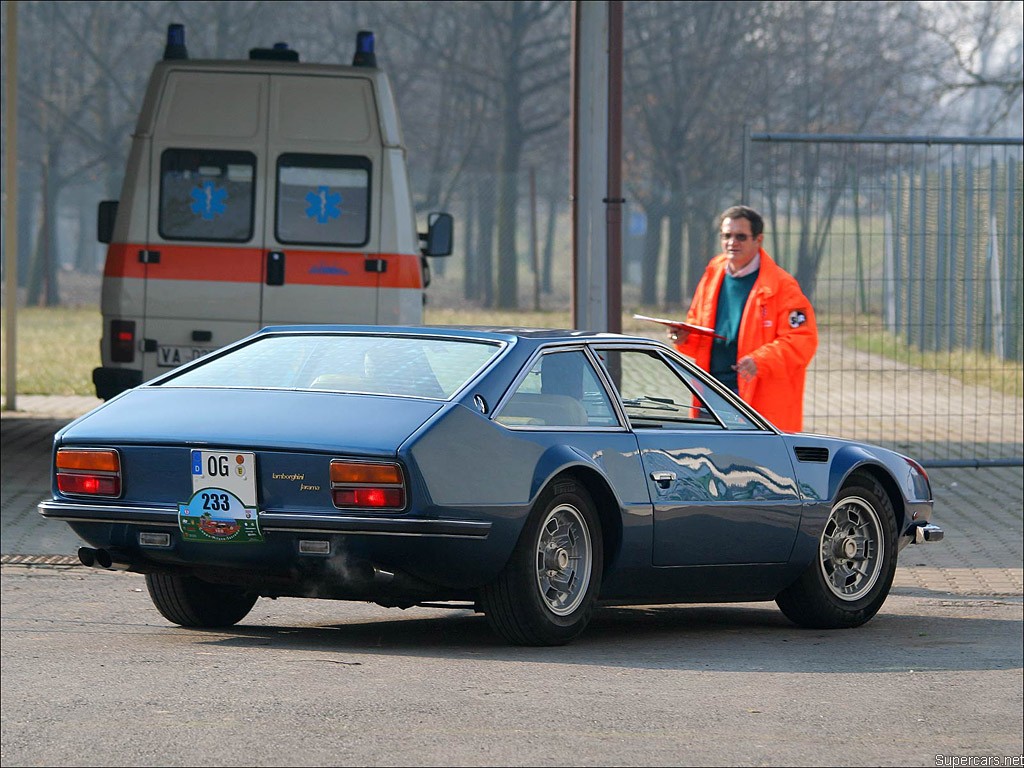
(547, 591)
(608, 509)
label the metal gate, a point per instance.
(910, 249)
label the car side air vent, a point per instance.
(807, 453)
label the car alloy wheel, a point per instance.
(852, 549)
(564, 559)
(546, 593)
(850, 576)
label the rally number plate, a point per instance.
(223, 503)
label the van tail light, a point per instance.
(366, 485)
(122, 341)
(89, 472)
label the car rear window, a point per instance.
(381, 365)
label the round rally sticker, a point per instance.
(217, 515)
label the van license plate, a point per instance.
(170, 357)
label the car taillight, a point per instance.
(366, 485)
(89, 472)
(122, 341)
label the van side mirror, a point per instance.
(105, 217)
(438, 237)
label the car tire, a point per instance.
(547, 591)
(853, 569)
(192, 602)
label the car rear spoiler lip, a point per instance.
(273, 521)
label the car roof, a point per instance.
(494, 333)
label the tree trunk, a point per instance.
(28, 205)
(470, 278)
(85, 252)
(674, 265)
(701, 247)
(508, 206)
(549, 241)
(652, 249)
(485, 245)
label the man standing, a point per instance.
(767, 325)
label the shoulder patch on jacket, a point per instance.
(797, 318)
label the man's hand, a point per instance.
(677, 334)
(746, 367)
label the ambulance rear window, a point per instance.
(206, 194)
(323, 199)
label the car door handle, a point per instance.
(663, 479)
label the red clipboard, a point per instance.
(700, 330)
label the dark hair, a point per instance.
(743, 212)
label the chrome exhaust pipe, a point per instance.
(87, 556)
(368, 572)
(111, 560)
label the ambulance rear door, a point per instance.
(204, 263)
(321, 209)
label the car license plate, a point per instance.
(223, 503)
(171, 357)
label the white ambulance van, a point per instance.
(258, 192)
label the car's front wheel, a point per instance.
(192, 602)
(851, 574)
(546, 593)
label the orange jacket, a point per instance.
(777, 329)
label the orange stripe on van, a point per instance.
(349, 269)
(186, 262)
(243, 265)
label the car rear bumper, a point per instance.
(271, 521)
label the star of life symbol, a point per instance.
(208, 201)
(324, 205)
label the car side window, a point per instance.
(659, 395)
(729, 414)
(561, 389)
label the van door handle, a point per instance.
(275, 268)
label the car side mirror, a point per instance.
(438, 238)
(105, 216)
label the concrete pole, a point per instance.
(596, 121)
(11, 206)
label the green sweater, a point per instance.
(731, 300)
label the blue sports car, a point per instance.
(529, 474)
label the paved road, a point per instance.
(91, 675)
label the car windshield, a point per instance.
(382, 365)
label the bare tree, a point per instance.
(838, 67)
(686, 95)
(983, 42)
(531, 43)
(67, 89)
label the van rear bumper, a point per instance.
(110, 382)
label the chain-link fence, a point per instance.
(910, 249)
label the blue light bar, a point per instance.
(175, 48)
(364, 57)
